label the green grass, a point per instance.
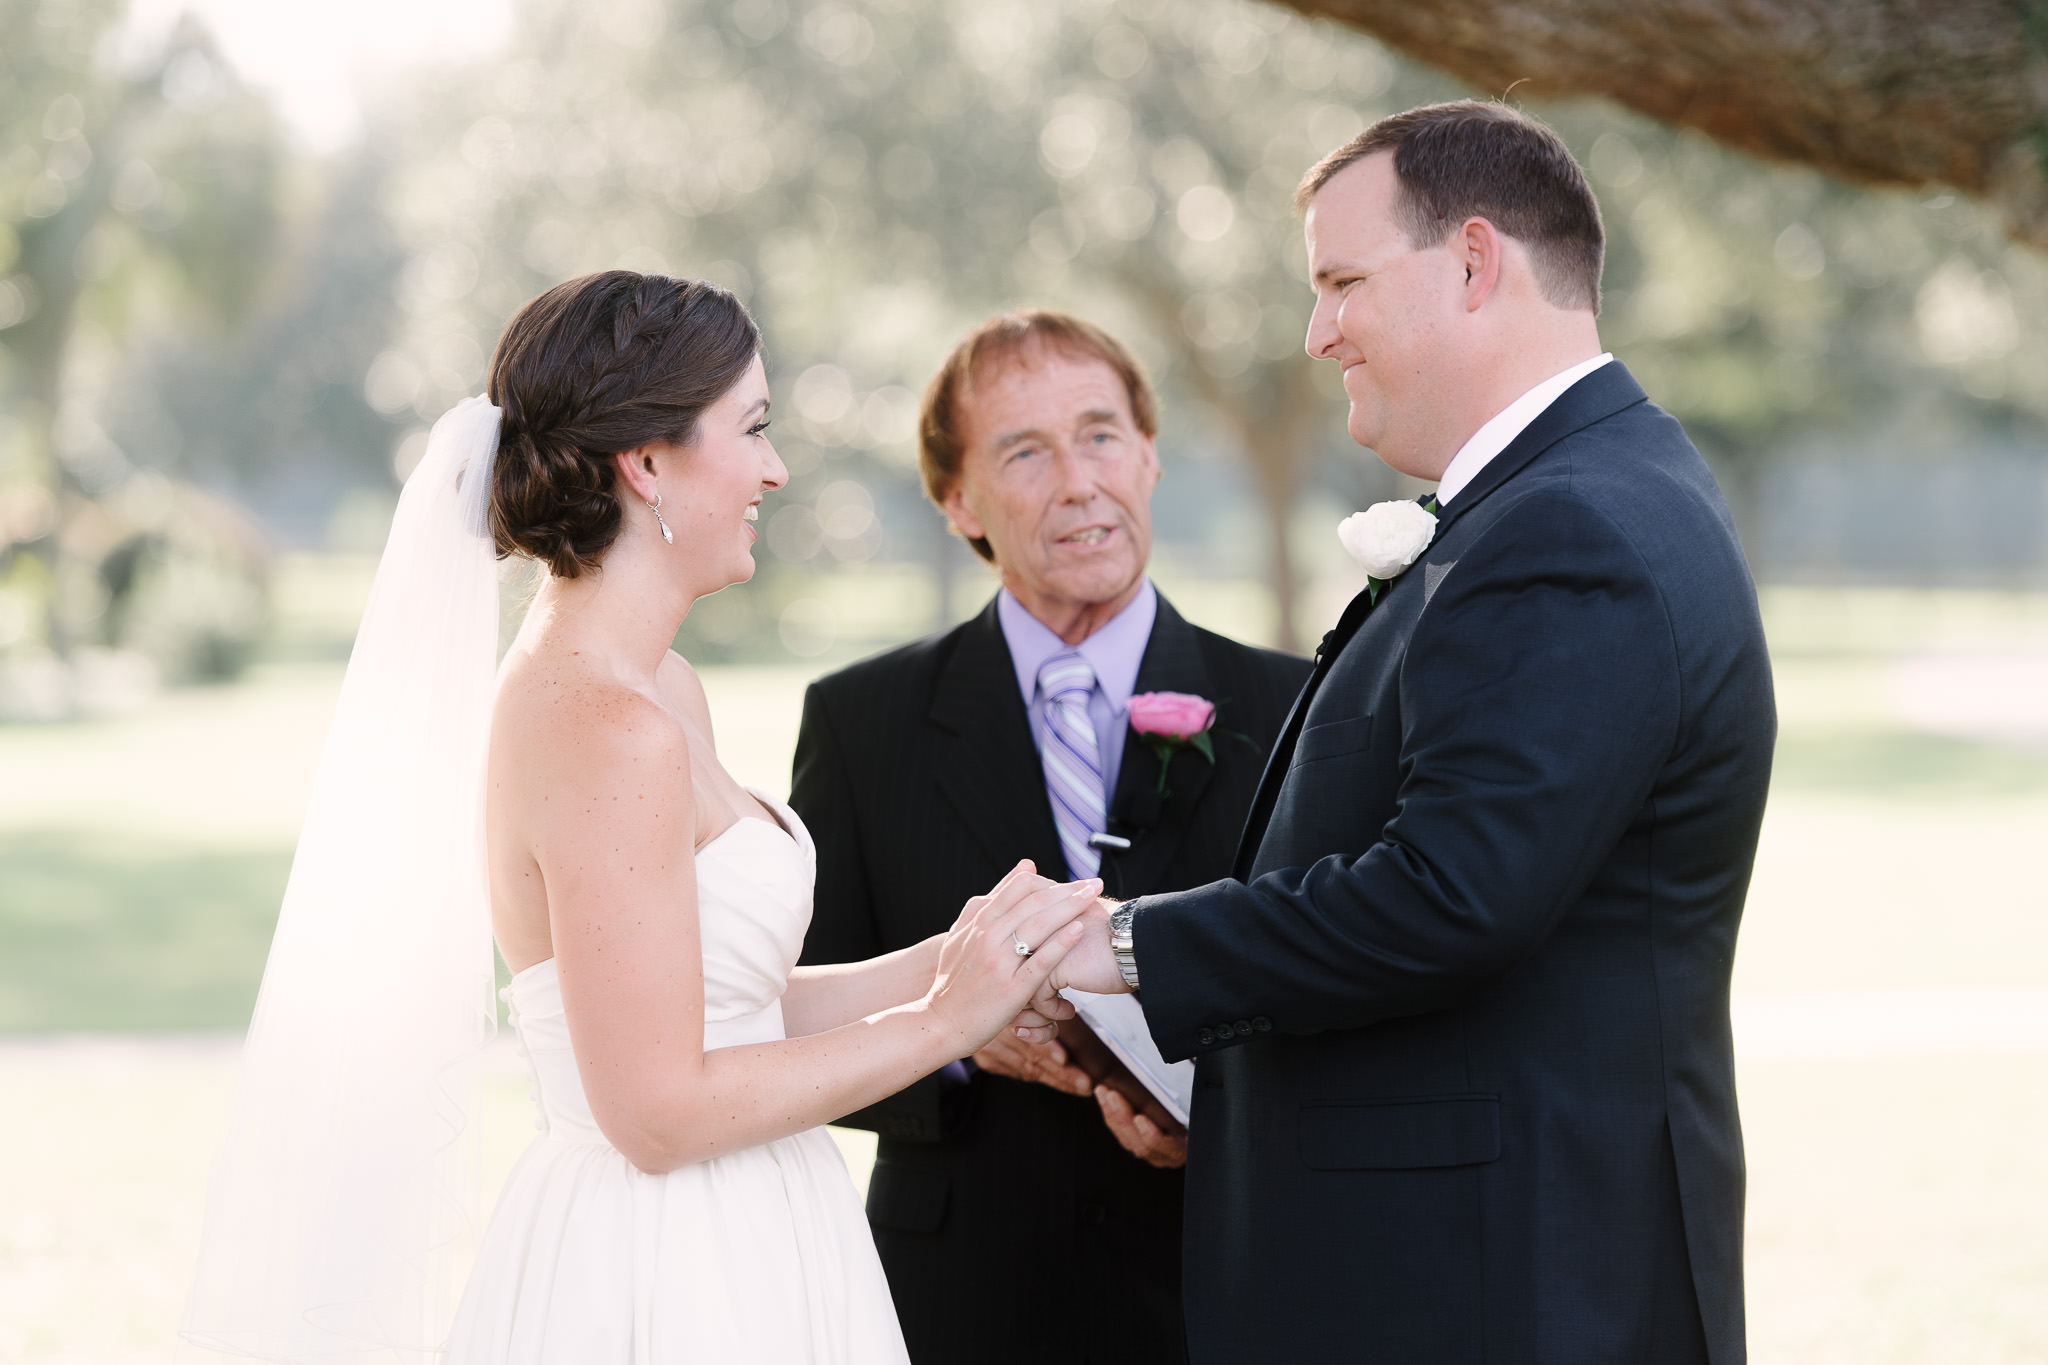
(121, 934)
(142, 858)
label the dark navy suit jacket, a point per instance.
(1465, 1088)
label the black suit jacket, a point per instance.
(916, 774)
(1466, 1089)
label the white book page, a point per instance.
(1119, 1021)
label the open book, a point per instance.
(1119, 1021)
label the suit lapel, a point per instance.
(1172, 663)
(989, 767)
(1595, 398)
(1598, 396)
(1355, 612)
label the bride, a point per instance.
(682, 1202)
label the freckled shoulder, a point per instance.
(580, 731)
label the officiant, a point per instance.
(926, 772)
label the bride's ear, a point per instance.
(640, 470)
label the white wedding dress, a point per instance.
(759, 1257)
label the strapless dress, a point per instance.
(757, 1257)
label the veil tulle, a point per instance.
(345, 1183)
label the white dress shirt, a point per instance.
(1499, 432)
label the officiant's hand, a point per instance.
(1046, 1064)
(1071, 1059)
(1147, 1132)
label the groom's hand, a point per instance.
(1089, 965)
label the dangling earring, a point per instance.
(655, 507)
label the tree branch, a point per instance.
(1884, 92)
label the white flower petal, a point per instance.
(1388, 536)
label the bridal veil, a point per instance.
(343, 1190)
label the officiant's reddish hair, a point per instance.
(597, 365)
(1008, 339)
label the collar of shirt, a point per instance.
(1491, 439)
(1114, 651)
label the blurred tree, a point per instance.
(122, 194)
(876, 179)
(275, 408)
(1884, 92)
(876, 176)
(1766, 305)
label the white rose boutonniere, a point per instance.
(1387, 537)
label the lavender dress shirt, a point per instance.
(1114, 652)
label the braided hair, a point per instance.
(595, 366)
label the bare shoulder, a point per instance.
(570, 728)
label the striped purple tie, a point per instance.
(1073, 767)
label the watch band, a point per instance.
(1121, 945)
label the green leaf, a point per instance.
(1204, 746)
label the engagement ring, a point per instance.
(1023, 949)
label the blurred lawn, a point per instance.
(1898, 1212)
(142, 859)
(135, 934)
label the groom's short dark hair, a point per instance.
(1476, 159)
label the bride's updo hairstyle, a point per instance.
(601, 364)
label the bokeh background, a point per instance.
(248, 251)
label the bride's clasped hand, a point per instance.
(996, 966)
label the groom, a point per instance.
(1465, 1087)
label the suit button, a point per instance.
(1207, 1035)
(1244, 1028)
(1263, 1024)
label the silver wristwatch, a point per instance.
(1120, 945)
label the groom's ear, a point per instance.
(1479, 245)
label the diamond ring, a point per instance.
(1023, 948)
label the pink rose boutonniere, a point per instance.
(1171, 721)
